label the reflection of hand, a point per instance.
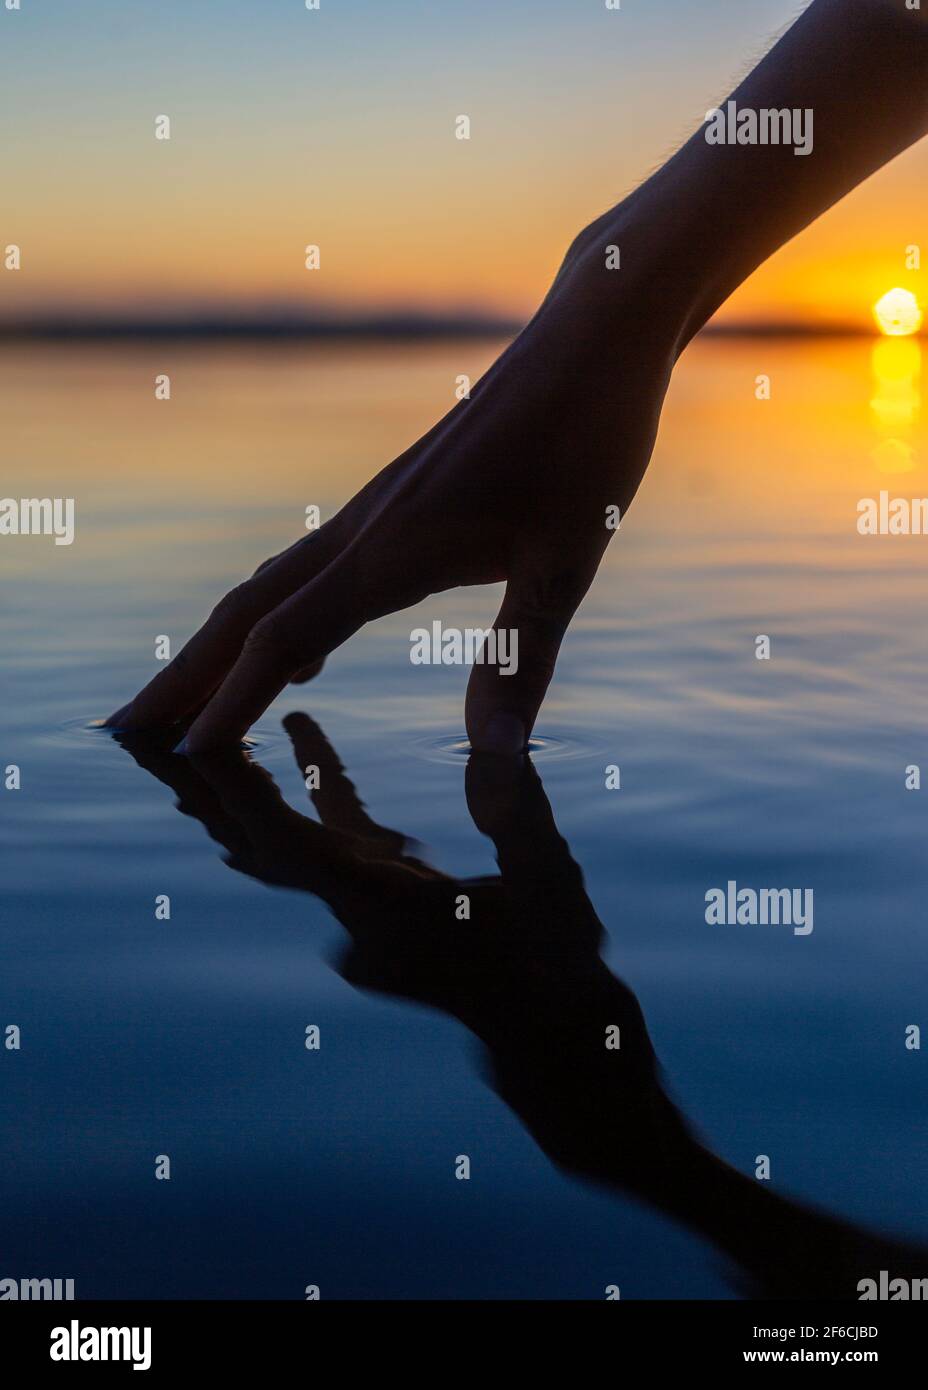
(524, 974)
(521, 969)
(530, 927)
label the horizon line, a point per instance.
(206, 327)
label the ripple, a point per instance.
(453, 748)
(73, 731)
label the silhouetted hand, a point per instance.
(513, 485)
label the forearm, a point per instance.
(856, 74)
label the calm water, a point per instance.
(337, 1168)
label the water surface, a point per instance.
(186, 1037)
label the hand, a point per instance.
(512, 485)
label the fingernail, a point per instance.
(504, 734)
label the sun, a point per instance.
(898, 314)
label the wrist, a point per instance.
(788, 144)
(641, 272)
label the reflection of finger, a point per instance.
(248, 794)
(507, 801)
(200, 666)
(195, 798)
(306, 627)
(336, 798)
(496, 789)
(506, 798)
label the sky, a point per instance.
(336, 128)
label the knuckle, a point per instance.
(264, 636)
(305, 544)
(268, 641)
(235, 606)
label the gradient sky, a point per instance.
(336, 127)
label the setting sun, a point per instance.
(898, 313)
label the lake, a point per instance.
(144, 1038)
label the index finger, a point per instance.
(309, 625)
(199, 667)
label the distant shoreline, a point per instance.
(392, 328)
